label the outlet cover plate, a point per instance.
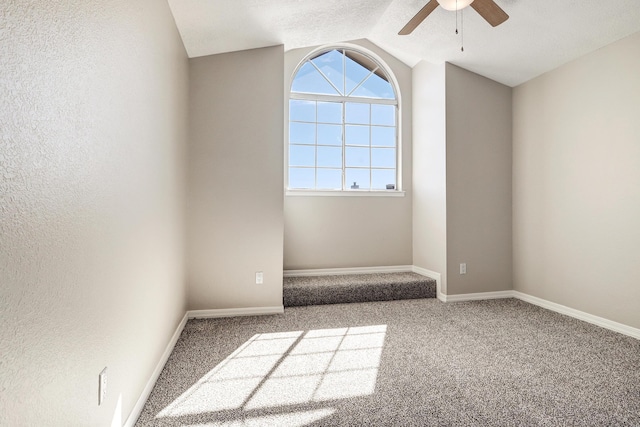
(102, 386)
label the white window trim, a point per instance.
(335, 98)
(399, 190)
(345, 193)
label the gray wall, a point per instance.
(462, 178)
(478, 112)
(576, 192)
(430, 169)
(235, 179)
(92, 133)
(352, 231)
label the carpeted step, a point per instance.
(338, 289)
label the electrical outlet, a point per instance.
(102, 386)
(259, 277)
(463, 268)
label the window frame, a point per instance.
(344, 99)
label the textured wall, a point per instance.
(235, 178)
(430, 169)
(92, 127)
(329, 232)
(576, 198)
(478, 182)
(462, 178)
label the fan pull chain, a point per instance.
(456, 16)
(461, 30)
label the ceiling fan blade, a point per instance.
(420, 16)
(490, 11)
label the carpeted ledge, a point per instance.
(339, 289)
(480, 363)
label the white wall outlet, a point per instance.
(463, 268)
(259, 277)
(102, 386)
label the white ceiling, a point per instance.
(539, 36)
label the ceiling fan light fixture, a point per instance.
(451, 4)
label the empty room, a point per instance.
(305, 213)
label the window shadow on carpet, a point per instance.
(287, 370)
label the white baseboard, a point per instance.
(432, 275)
(581, 315)
(478, 296)
(599, 321)
(351, 270)
(234, 312)
(255, 311)
(137, 409)
(191, 314)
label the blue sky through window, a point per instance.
(325, 74)
(331, 64)
(375, 87)
(310, 80)
(333, 145)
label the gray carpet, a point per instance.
(409, 363)
(338, 289)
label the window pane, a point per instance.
(357, 135)
(302, 110)
(301, 178)
(382, 177)
(330, 179)
(383, 157)
(309, 80)
(333, 144)
(383, 136)
(330, 135)
(302, 133)
(383, 114)
(331, 65)
(330, 157)
(357, 113)
(358, 176)
(375, 87)
(357, 156)
(329, 112)
(355, 72)
(302, 155)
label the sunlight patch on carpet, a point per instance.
(287, 368)
(293, 419)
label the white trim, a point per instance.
(479, 296)
(433, 275)
(339, 98)
(254, 311)
(581, 315)
(345, 193)
(381, 63)
(351, 270)
(191, 314)
(137, 409)
(234, 312)
(558, 308)
(586, 317)
(397, 101)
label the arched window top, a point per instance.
(345, 73)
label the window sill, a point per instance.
(347, 193)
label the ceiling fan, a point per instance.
(488, 9)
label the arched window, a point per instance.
(343, 115)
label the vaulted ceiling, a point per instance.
(539, 36)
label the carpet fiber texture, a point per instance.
(338, 289)
(408, 363)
